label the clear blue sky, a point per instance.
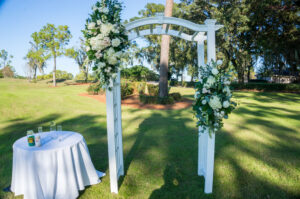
(20, 18)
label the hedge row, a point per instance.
(267, 87)
(253, 86)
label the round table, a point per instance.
(58, 169)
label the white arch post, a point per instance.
(206, 143)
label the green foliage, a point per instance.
(5, 58)
(81, 58)
(1, 74)
(126, 89)
(153, 89)
(267, 87)
(148, 99)
(81, 77)
(8, 72)
(95, 89)
(62, 75)
(139, 73)
(176, 96)
(53, 40)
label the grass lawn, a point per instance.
(257, 152)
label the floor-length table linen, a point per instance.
(56, 170)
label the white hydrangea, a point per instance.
(115, 42)
(215, 102)
(226, 104)
(91, 25)
(106, 28)
(214, 71)
(98, 43)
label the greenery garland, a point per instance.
(212, 98)
(106, 39)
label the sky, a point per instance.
(20, 18)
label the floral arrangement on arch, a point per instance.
(212, 98)
(106, 39)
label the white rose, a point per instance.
(95, 8)
(98, 54)
(104, 10)
(99, 22)
(226, 104)
(203, 102)
(119, 54)
(112, 60)
(204, 90)
(210, 81)
(214, 71)
(115, 42)
(111, 52)
(91, 25)
(101, 64)
(215, 102)
(114, 75)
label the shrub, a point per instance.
(126, 90)
(267, 87)
(95, 89)
(1, 74)
(176, 96)
(148, 99)
(153, 89)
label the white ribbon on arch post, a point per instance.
(206, 148)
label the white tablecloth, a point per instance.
(56, 170)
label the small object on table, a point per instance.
(40, 129)
(37, 140)
(59, 127)
(30, 138)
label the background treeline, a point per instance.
(264, 33)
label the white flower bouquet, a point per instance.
(212, 98)
(106, 39)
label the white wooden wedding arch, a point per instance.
(206, 143)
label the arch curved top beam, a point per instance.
(173, 21)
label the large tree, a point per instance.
(5, 58)
(81, 58)
(164, 55)
(36, 55)
(54, 39)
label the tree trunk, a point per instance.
(54, 72)
(34, 74)
(248, 73)
(164, 55)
